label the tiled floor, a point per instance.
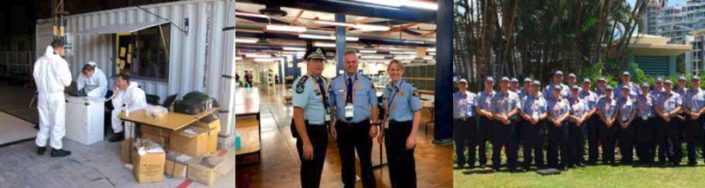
(279, 166)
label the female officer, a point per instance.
(579, 113)
(402, 116)
(606, 110)
(644, 128)
(626, 131)
(558, 109)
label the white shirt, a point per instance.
(96, 85)
(133, 98)
(51, 73)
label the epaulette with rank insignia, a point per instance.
(301, 84)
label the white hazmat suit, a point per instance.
(51, 75)
(96, 85)
(131, 99)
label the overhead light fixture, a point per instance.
(258, 55)
(251, 15)
(246, 40)
(368, 51)
(431, 49)
(402, 52)
(432, 53)
(367, 27)
(326, 37)
(372, 57)
(342, 24)
(421, 5)
(324, 44)
(391, 3)
(287, 28)
(238, 58)
(294, 49)
(428, 58)
(267, 60)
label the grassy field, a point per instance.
(591, 176)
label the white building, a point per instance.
(650, 17)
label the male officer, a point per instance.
(570, 82)
(693, 102)
(667, 108)
(579, 113)
(354, 103)
(557, 80)
(484, 110)
(591, 120)
(311, 114)
(514, 85)
(524, 91)
(633, 88)
(505, 107)
(644, 126)
(533, 112)
(558, 111)
(607, 111)
(464, 128)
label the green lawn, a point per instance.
(591, 176)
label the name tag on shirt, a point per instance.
(349, 110)
(327, 118)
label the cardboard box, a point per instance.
(156, 134)
(149, 168)
(213, 128)
(125, 150)
(190, 141)
(201, 172)
(176, 164)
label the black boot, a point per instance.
(60, 153)
(41, 150)
(117, 137)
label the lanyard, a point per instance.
(316, 88)
(354, 87)
(390, 104)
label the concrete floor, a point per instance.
(93, 166)
(279, 166)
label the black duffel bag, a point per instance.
(188, 107)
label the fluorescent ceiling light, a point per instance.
(421, 5)
(258, 55)
(246, 40)
(428, 58)
(288, 28)
(403, 52)
(431, 49)
(238, 58)
(251, 15)
(326, 37)
(324, 44)
(368, 51)
(367, 27)
(321, 22)
(294, 49)
(372, 57)
(392, 3)
(266, 60)
(432, 53)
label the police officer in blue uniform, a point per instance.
(557, 80)
(464, 124)
(353, 100)
(644, 126)
(402, 104)
(626, 81)
(533, 111)
(558, 111)
(484, 112)
(693, 102)
(591, 123)
(607, 111)
(310, 119)
(579, 113)
(524, 91)
(626, 113)
(667, 109)
(659, 126)
(505, 108)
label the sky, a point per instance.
(668, 3)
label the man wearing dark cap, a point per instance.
(667, 109)
(484, 112)
(505, 108)
(557, 80)
(533, 112)
(644, 126)
(693, 103)
(311, 117)
(633, 88)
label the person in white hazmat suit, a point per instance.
(51, 76)
(126, 96)
(93, 81)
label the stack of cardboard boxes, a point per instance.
(192, 153)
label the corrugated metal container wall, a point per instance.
(192, 55)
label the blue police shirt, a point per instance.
(608, 107)
(578, 107)
(309, 97)
(503, 103)
(406, 101)
(634, 90)
(556, 108)
(463, 103)
(644, 106)
(693, 100)
(364, 97)
(588, 97)
(626, 108)
(669, 101)
(484, 100)
(548, 92)
(533, 106)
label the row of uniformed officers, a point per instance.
(563, 117)
(346, 108)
